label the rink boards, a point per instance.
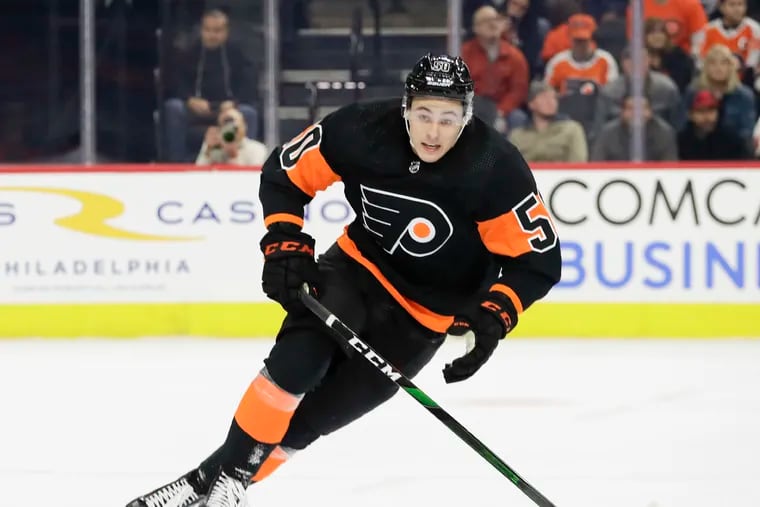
(655, 250)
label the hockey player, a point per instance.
(450, 235)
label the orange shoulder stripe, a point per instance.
(310, 171)
(504, 236)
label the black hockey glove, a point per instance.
(288, 264)
(490, 321)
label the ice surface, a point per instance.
(594, 423)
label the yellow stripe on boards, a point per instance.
(134, 320)
(584, 320)
(640, 320)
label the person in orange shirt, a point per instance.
(558, 39)
(583, 62)
(499, 69)
(683, 18)
(734, 30)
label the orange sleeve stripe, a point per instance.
(311, 173)
(511, 294)
(504, 236)
(426, 317)
(283, 217)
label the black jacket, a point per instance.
(720, 144)
(225, 73)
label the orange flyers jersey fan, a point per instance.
(683, 20)
(743, 40)
(434, 235)
(601, 69)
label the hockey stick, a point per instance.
(348, 337)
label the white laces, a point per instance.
(177, 494)
(226, 492)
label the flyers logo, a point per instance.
(417, 227)
(294, 150)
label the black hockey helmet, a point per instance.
(440, 76)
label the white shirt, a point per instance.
(250, 152)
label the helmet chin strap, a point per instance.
(408, 134)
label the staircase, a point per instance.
(318, 72)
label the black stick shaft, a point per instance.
(348, 337)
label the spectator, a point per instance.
(214, 73)
(703, 138)
(661, 91)
(528, 30)
(558, 38)
(228, 143)
(719, 75)
(665, 57)
(614, 140)
(582, 62)
(549, 137)
(499, 69)
(734, 30)
(601, 8)
(610, 35)
(684, 20)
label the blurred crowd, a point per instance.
(556, 77)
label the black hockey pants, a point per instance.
(341, 388)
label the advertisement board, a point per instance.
(140, 237)
(129, 251)
(672, 236)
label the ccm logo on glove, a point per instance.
(501, 313)
(288, 246)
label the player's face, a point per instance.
(733, 10)
(434, 126)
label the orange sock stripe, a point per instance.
(265, 411)
(277, 458)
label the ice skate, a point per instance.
(226, 491)
(183, 492)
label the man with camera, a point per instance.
(212, 74)
(228, 143)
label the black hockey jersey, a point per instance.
(435, 235)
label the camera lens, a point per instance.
(229, 130)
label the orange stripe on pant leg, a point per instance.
(273, 461)
(264, 412)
